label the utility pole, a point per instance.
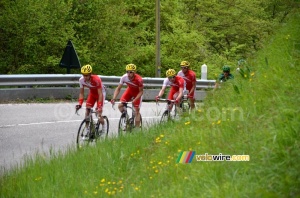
(157, 57)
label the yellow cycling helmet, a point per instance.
(184, 64)
(86, 69)
(170, 73)
(130, 67)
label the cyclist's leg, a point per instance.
(124, 98)
(172, 96)
(90, 101)
(100, 118)
(192, 99)
(137, 106)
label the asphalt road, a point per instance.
(27, 129)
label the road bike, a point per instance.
(126, 123)
(171, 110)
(184, 104)
(90, 129)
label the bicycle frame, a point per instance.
(167, 114)
(184, 104)
(126, 123)
(93, 124)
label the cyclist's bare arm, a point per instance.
(100, 99)
(162, 91)
(180, 94)
(117, 91)
(138, 96)
(193, 87)
(81, 93)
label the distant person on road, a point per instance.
(96, 95)
(190, 79)
(177, 84)
(134, 91)
(226, 75)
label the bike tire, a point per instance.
(141, 119)
(81, 134)
(123, 123)
(99, 127)
(185, 106)
(132, 123)
(165, 117)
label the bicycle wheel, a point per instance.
(165, 116)
(123, 123)
(132, 123)
(83, 135)
(102, 131)
(141, 121)
(185, 106)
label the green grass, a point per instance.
(256, 114)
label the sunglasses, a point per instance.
(171, 77)
(130, 72)
(184, 67)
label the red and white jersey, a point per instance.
(178, 82)
(94, 84)
(189, 78)
(134, 84)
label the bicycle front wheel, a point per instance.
(132, 124)
(103, 130)
(123, 123)
(165, 116)
(83, 135)
(185, 106)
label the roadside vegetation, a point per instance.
(110, 34)
(256, 114)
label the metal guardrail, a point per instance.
(61, 86)
(72, 79)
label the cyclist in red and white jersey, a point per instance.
(134, 91)
(177, 84)
(190, 79)
(96, 95)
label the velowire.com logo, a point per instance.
(186, 157)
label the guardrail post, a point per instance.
(203, 72)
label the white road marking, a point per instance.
(63, 121)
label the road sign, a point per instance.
(70, 59)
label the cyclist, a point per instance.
(224, 76)
(96, 95)
(135, 89)
(177, 84)
(190, 79)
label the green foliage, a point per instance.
(110, 34)
(31, 32)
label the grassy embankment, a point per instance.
(256, 115)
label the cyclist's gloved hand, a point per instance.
(99, 106)
(99, 109)
(176, 101)
(156, 98)
(189, 96)
(112, 101)
(77, 107)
